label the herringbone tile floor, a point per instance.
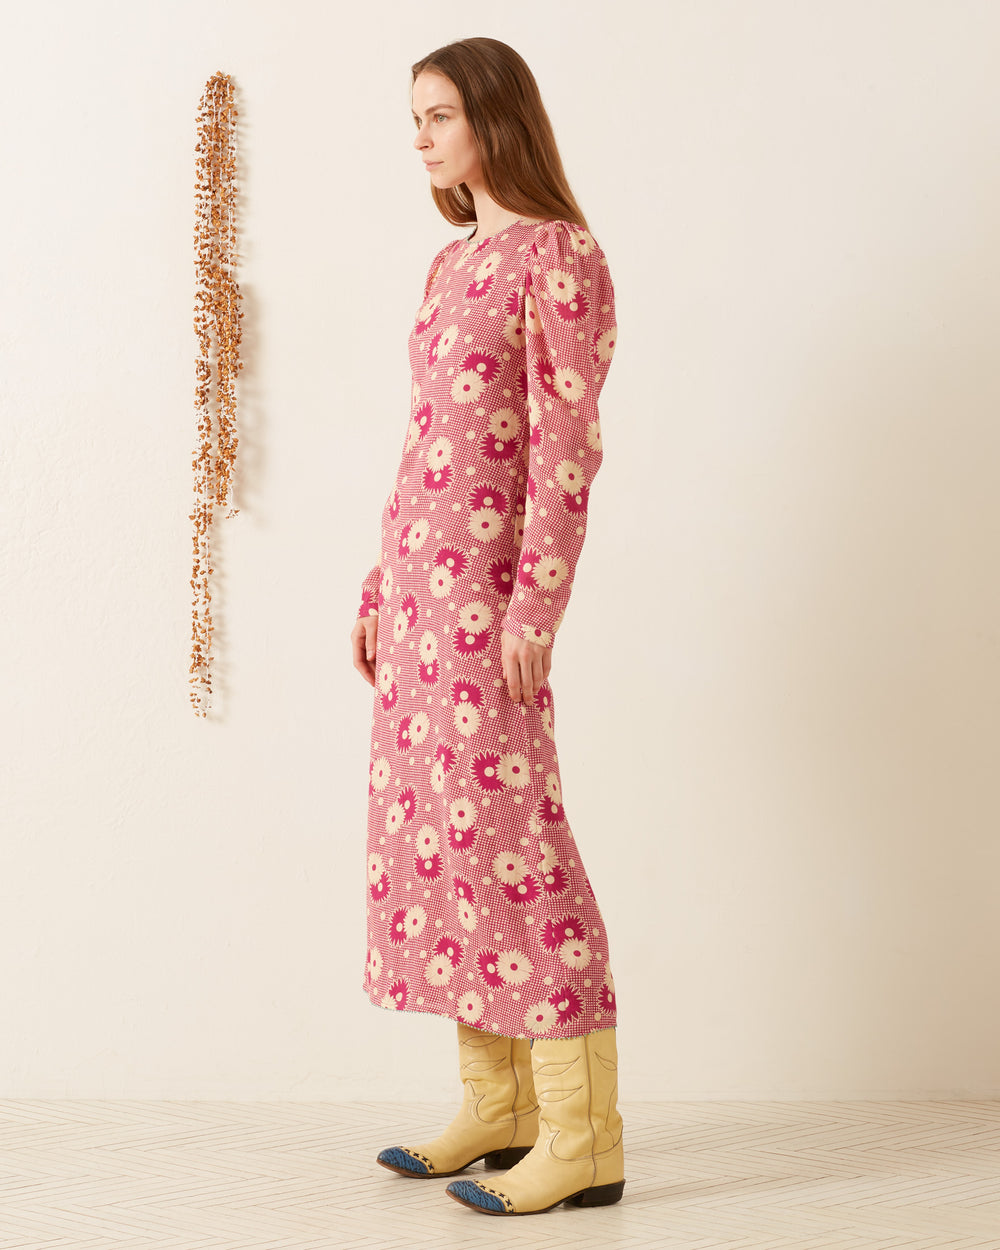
(88, 1175)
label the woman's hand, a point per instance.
(525, 664)
(364, 643)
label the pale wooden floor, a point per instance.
(706, 1175)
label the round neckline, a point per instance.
(518, 221)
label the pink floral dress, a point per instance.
(479, 907)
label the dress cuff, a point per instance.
(533, 633)
(369, 605)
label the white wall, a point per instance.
(778, 685)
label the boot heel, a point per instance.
(507, 1157)
(599, 1195)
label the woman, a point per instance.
(479, 906)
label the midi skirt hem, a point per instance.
(578, 1028)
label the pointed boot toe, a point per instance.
(398, 1159)
(472, 1195)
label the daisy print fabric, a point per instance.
(478, 902)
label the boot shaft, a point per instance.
(576, 1085)
(496, 1074)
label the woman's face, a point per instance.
(444, 139)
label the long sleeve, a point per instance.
(570, 334)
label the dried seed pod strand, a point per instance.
(217, 322)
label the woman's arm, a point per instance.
(570, 333)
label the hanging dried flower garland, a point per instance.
(217, 315)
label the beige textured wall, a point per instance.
(778, 685)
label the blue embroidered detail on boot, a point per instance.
(471, 1192)
(398, 1157)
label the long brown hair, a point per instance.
(522, 169)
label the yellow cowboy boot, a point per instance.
(579, 1155)
(498, 1118)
